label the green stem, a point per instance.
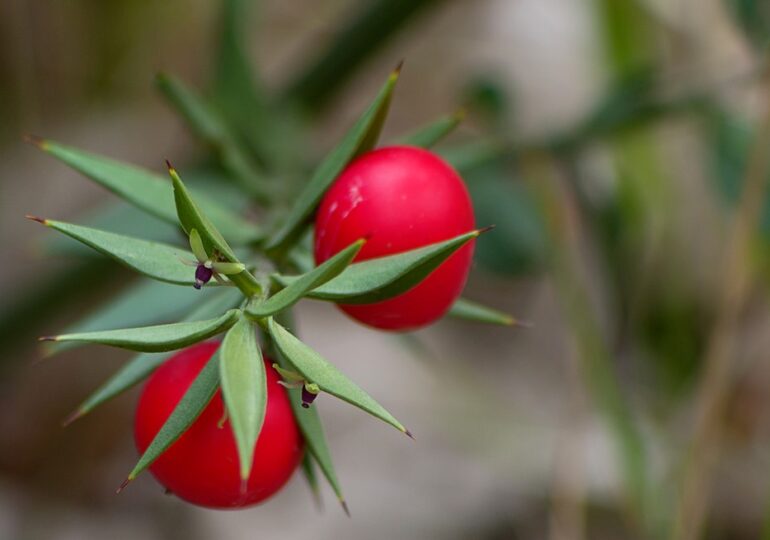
(247, 283)
(595, 358)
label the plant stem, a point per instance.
(594, 356)
(717, 379)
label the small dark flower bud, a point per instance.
(202, 275)
(307, 397)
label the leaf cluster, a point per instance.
(256, 263)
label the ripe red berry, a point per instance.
(399, 198)
(202, 466)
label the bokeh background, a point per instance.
(620, 146)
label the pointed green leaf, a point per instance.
(465, 157)
(473, 311)
(329, 379)
(196, 245)
(308, 471)
(146, 302)
(153, 259)
(159, 338)
(429, 135)
(238, 92)
(118, 217)
(191, 217)
(207, 125)
(244, 388)
(132, 373)
(312, 431)
(234, 82)
(378, 279)
(188, 409)
(149, 191)
(140, 366)
(228, 268)
(355, 41)
(361, 138)
(298, 288)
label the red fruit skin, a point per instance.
(202, 466)
(399, 198)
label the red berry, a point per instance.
(399, 198)
(202, 466)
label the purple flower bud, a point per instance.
(307, 397)
(202, 275)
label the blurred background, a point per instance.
(622, 148)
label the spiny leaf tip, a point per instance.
(48, 338)
(122, 486)
(35, 218)
(485, 229)
(34, 140)
(522, 324)
(344, 505)
(74, 415)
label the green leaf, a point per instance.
(184, 414)
(317, 370)
(244, 389)
(298, 288)
(159, 338)
(309, 472)
(140, 366)
(209, 127)
(499, 196)
(153, 259)
(468, 156)
(472, 311)
(429, 135)
(357, 40)
(191, 217)
(118, 217)
(234, 83)
(238, 92)
(132, 373)
(361, 137)
(378, 279)
(149, 191)
(146, 302)
(312, 431)
(753, 16)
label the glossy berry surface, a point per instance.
(202, 466)
(399, 198)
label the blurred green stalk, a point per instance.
(718, 376)
(561, 218)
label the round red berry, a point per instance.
(399, 198)
(202, 466)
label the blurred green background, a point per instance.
(622, 148)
